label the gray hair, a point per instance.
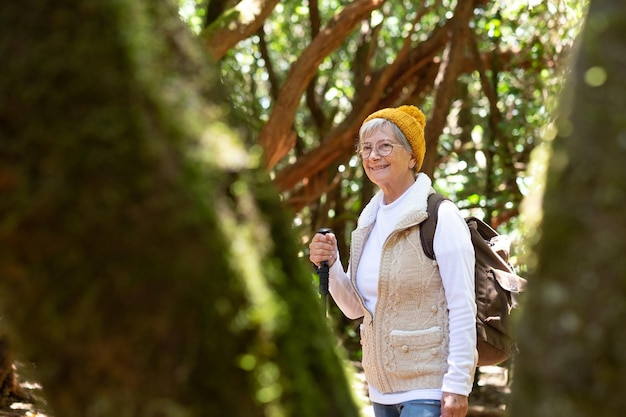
(376, 124)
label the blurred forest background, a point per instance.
(302, 76)
(105, 258)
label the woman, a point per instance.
(418, 332)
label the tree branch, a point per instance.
(276, 137)
(269, 66)
(236, 24)
(367, 99)
(312, 99)
(446, 82)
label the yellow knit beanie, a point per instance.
(411, 122)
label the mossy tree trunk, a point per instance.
(147, 266)
(572, 339)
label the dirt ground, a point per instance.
(21, 398)
(491, 397)
(488, 399)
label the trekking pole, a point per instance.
(322, 271)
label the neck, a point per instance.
(392, 192)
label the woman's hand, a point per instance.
(454, 405)
(323, 248)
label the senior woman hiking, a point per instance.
(418, 332)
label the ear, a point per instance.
(412, 162)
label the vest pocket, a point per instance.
(417, 352)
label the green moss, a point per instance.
(148, 268)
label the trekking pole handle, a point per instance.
(322, 271)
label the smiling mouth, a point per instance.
(378, 168)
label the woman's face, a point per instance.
(390, 171)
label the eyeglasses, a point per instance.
(383, 148)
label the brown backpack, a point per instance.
(497, 284)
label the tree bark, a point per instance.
(148, 267)
(572, 360)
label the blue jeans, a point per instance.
(415, 408)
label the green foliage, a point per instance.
(484, 164)
(499, 112)
(479, 156)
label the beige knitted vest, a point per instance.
(405, 343)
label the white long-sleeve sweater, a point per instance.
(455, 259)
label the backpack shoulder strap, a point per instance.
(427, 228)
